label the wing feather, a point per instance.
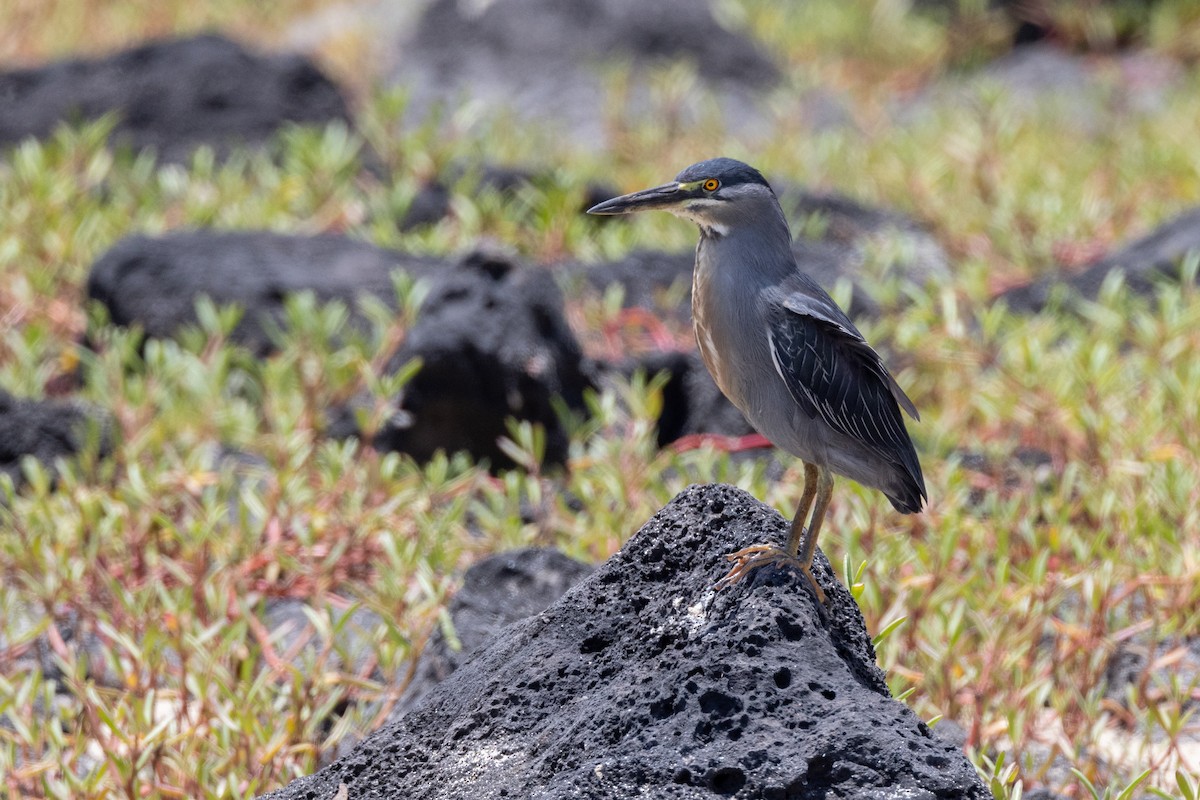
(832, 373)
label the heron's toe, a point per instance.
(755, 556)
(749, 559)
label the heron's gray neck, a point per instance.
(751, 245)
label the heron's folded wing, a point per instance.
(832, 373)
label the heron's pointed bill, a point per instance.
(666, 196)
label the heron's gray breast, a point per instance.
(708, 319)
(732, 332)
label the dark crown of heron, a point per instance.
(722, 194)
(726, 171)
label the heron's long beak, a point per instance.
(665, 196)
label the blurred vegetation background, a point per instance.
(1009, 605)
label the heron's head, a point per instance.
(717, 195)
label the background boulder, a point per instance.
(172, 95)
(542, 60)
(155, 281)
(1146, 262)
(46, 430)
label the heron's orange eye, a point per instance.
(711, 185)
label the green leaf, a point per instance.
(887, 630)
(1127, 792)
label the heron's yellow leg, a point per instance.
(818, 486)
(812, 476)
(808, 545)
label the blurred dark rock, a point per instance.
(880, 243)
(1085, 91)
(951, 732)
(47, 430)
(1043, 20)
(644, 275)
(491, 334)
(493, 344)
(543, 60)
(1147, 262)
(1026, 465)
(154, 281)
(643, 682)
(1042, 793)
(79, 640)
(1040, 69)
(248, 474)
(497, 591)
(695, 413)
(432, 202)
(172, 96)
(692, 402)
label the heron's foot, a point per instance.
(751, 558)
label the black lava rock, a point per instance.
(1088, 93)
(692, 401)
(497, 591)
(894, 243)
(643, 682)
(173, 95)
(493, 344)
(1154, 667)
(1042, 793)
(535, 32)
(1147, 262)
(154, 282)
(40, 656)
(643, 275)
(491, 335)
(46, 430)
(349, 649)
(1043, 20)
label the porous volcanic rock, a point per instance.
(499, 590)
(1146, 262)
(154, 281)
(46, 430)
(493, 344)
(172, 95)
(643, 682)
